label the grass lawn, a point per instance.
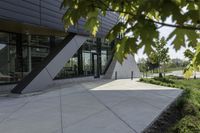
(188, 105)
(167, 70)
(174, 69)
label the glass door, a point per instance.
(95, 65)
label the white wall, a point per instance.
(123, 70)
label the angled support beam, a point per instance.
(43, 76)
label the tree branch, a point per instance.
(150, 20)
(174, 26)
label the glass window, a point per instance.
(104, 59)
(106, 55)
(4, 38)
(58, 39)
(41, 41)
(83, 66)
(21, 53)
(26, 59)
(35, 49)
(70, 69)
(8, 71)
(87, 63)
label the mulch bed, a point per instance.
(165, 121)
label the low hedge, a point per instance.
(188, 105)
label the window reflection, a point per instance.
(70, 69)
(8, 71)
(104, 59)
(35, 50)
(85, 64)
(21, 53)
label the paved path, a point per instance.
(178, 73)
(120, 106)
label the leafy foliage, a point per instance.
(195, 61)
(188, 104)
(188, 124)
(141, 18)
(160, 54)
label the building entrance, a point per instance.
(95, 68)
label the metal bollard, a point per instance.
(115, 75)
(131, 75)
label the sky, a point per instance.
(165, 31)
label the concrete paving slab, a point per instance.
(101, 106)
(103, 122)
(40, 116)
(136, 113)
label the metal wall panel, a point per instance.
(47, 13)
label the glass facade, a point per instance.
(90, 60)
(106, 54)
(21, 53)
(8, 58)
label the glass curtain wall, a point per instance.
(8, 60)
(87, 50)
(106, 55)
(70, 69)
(83, 62)
(20, 54)
(80, 64)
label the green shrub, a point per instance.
(165, 80)
(188, 104)
(182, 87)
(173, 77)
(188, 124)
(141, 79)
(189, 109)
(174, 86)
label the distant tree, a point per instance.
(152, 65)
(143, 66)
(160, 55)
(173, 63)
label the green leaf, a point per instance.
(135, 17)
(178, 36)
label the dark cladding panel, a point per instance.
(54, 3)
(55, 15)
(55, 7)
(34, 2)
(31, 5)
(10, 15)
(47, 13)
(108, 22)
(18, 10)
(51, 24)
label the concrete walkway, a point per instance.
(178, 73)
(120, 106)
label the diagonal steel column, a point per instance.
(43, 76)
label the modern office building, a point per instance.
(36, 51)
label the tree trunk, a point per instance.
(164, 70)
